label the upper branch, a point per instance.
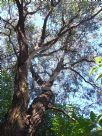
(35, 76)
(44, 28)
(7, 22)
(31, 12)
(61, 33)
(56, 71)
(81, 76)
(82, 60)
(80, 23)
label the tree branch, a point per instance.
(7, 22)
(27, 3)
(35, 76)
(13, 46)
(82, 77)
(56, 71)
(18, 3)
(59, 35)
(32, 12)
(81, 60)
(80, 23)
(44, 28)
(60, 110)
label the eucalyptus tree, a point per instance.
(45, 40)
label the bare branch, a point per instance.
(56, 71)
(81, 76)
(80, 23)
(60, 34)
(62, 31)
(7, 22)
(35, 76)
(13, 45)
(18, 3)
(32, 12)
(8, 35)
(54, 4)
(51, 53)
(44, 28)
(61, 110)
(82, 60)
(27, 3)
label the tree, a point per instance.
(63, 23)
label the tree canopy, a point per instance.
(48, 55)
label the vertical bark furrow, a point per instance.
(36, 112)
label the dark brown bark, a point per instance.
(19, 121)
(36, 112)
(15, 121)
(27, 123)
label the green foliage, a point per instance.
(98, 67)
(98, 130)
(99, 76)
(92, 116)
(9, 48)
(98, 61)
(70, 124)
(99, 120)
(46, 125)
(5, 92)
(64, 126)
(94, 69)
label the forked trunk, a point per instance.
(20, 121)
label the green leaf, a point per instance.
(100, 122)
(99, 76)
(98, 60)
(94, 69)
(92, 116)
(100, 65)
(100, 116)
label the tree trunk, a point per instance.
(36, 111)
(21, 121)
(14, 123)
(26, 123)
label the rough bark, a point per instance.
(26, 124)
(15, 118)
(36, 112)
(21, 121)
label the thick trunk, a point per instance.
(27, 123)
(15, 119)
(36, 112)
(20, 121)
